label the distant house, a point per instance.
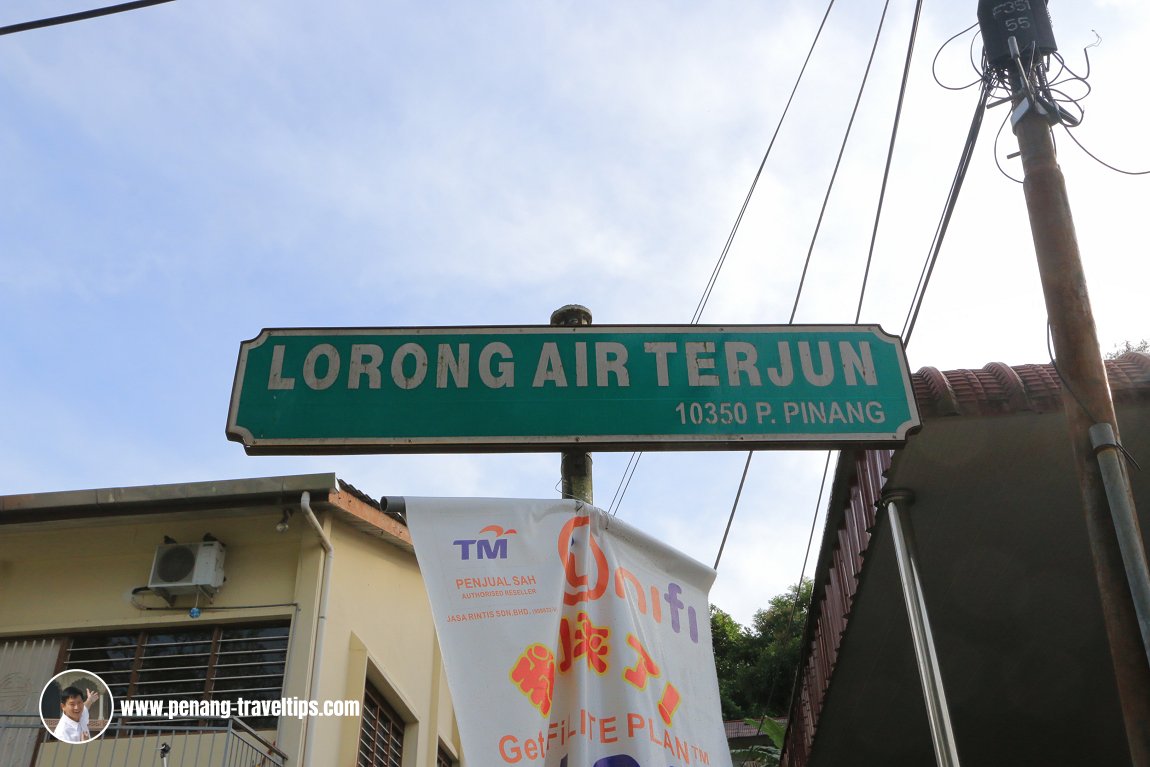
(213, 592)
(746, 742)
(1007, 578)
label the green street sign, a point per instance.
(596, 387)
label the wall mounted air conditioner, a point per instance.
(187, 568)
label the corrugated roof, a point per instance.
(739, 728)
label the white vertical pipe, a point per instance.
(933, 694)
(1125, 516)
(321, 619)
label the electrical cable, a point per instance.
(735, 505)
(862, 293)
(1062, 378)
(142, 589)
(838, 163)
(941, 48)
(826, 465)
(629, 472)
(1048, 90)
(998, 162)
(1103, 162)
(754, 182)
(80, 16)
(889, 154)
(1066, 384)
(948, 212)
(799, 585)
(621, 488)
(826, 198)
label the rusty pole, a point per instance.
(575, 465)
(1087, 401)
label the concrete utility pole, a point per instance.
(1087, 401)
(575, 465)
(1017, 37)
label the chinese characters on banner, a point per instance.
(569, 638)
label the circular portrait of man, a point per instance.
(76, 706)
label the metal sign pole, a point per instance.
(575, 465)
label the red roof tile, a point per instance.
(1000, 389)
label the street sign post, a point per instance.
(599, 387)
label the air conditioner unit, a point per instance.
(187, 568)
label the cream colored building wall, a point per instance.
(67, 578)
(379, 628)
(79, 576)
(62, 578)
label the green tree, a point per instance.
(756, 665)
(1126, 346)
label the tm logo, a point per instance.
(485, 548)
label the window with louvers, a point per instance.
(224, 662)
(380, 733)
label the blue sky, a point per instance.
(179, 177)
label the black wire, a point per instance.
(1062, 378)
(80, 16)
(735, 505)
(941, 48)
(1103, 162)
(818, 226)
(621, 488)
(754, 182)
(948, 210)
(789, 626)
(1050, 350)
(799, 588)
(838, 162)
(889, 155)
(1052, 97)
(625, 481)
(973, 61)
(1085, 54)
(997, 162)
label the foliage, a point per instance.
(756, 664)
(1126, 346)
(772, 729)
(760, 756)
(763, 756)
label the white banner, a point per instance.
(570, 639)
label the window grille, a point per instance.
(224, 662)
(380, 733)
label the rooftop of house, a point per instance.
(1005, 562)
(327, 493)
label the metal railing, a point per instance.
(24, 742)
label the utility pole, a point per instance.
(575, 465)
(1017, 38)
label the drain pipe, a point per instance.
(1122, 511)
(321, 619)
